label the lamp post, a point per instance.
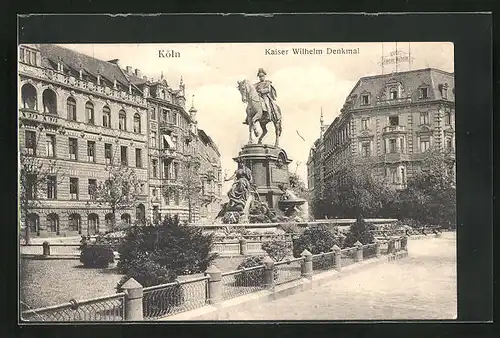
(87, 205)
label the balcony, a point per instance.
(394, 129)
(395, 157)
(167, 153)
(167, 126)
(393, 102)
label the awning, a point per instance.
(169, 141)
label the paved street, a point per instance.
(422, 286)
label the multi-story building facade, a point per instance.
(87, 114)
(393, 119)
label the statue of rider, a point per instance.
(267, 94)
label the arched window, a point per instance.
(53, 223)
(122, 120)
(49, 102)
(93, 224)
(125, 219)
(89, 113)
(106, 117)
(71, 106)
(75, 223)
(33, 223)
(28, 95)
(108, 219)
(137, 123)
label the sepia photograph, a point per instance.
(162, 182)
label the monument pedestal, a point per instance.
(269, 166)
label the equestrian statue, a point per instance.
(261, 106)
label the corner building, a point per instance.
(394, 119)
(86, 114)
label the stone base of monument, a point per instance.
(269, 166)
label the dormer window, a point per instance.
(27, 56)
(365, 99)
(393, 94)
(423, 93)
(443, 89)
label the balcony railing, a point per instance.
(167, 152)
(394, 129)
(395, 157)
(393, 101)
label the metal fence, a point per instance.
(348, 256)
(288, 270)
(168, 299)
(108, 308)
(323, 261)
(241, 282)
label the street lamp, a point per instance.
(87, 205)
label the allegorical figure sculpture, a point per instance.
(261, 106)
(241, 188)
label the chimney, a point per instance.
(129, 70)
(138, 73)
(115, 61)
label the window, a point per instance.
(28, 95)
(137, 123)
(106, 117)
(107, 153)
(91, 151)
(424, 118)
(393, 94)
(53, 223)
(165, 115)
(166, 170)
(153, 114)
(401, 145)
(176, 198)
(423, 93)
(138, 158)
(394, 120)
(365, 123)
(73, 188)
(122, 120)
(174, 141)
(449, 143)
(365, 149)
(394, 176)
(75, 223)
(30, 142)
(425, 145)
(92, 188)
(365, 99)
(89, 113)
(403, 176)
(31, 191)
(27, 56)
(51, 145)
(71, 105)
(392, 145)
(154, 192)
(443, 89)
(176, 170)
(174, 118)
(49, 102)
(154, 166)
(123, 155)
(73, 148)
(447, 118)
(51, 187)
(153, 139)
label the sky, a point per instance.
(305, 84)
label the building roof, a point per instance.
(410, 82)
(207, 140)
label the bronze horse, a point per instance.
(255, 114)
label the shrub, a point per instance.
(254, 277)
(277, 249)
(315, 239)
(96, 256)
(359, 231)
(159, 254)
(290, 228)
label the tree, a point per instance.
(430, 196)
(359, 231)
(119, 191)
(35, 173)
(356, 190)
(188, 184)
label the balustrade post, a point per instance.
(377, 247)
(307, 264)
(391, 248)
(133, 300)
(46, 248)
(268, 275)
(214, 284)
(404, 243)
(337, 257)
(359, 251)
(243, 247)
